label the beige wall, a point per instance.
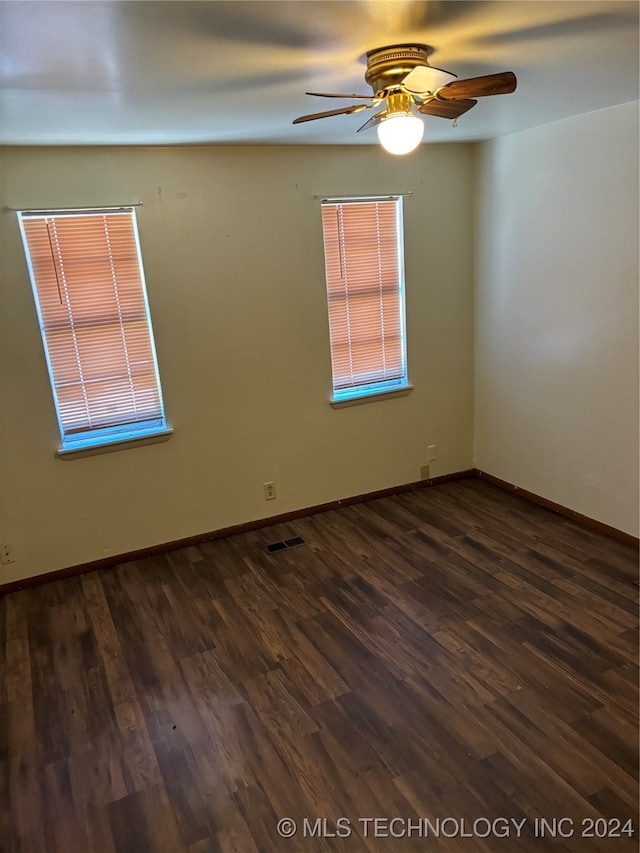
(232, 247)
(556, 396)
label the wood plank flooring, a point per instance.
(453, 654)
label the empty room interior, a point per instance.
(319, 426)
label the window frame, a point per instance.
(380, 388)
(126, 432)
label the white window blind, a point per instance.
(88, 284)
(365, 294)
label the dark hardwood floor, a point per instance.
(451, 655)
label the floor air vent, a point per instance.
(285, 544)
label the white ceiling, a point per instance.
(182, 72)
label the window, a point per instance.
(365, 295)
(88, 285)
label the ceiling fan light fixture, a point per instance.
(400, 133)
(403, 82)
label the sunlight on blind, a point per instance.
(363, 265)
(88, 282)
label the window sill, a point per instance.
(401, 391)
(116, 444)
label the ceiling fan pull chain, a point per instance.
(455, 122)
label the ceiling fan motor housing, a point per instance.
(388, 66)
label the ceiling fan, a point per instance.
(403, 82)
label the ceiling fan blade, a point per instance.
(355, 108)
(446, 109)
(424, 79)
(373, 121)
(479, 87)
(334, 95)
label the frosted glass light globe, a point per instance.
(401, 133)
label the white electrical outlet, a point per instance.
(269, 491)
(6, 555)
(432, 453)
